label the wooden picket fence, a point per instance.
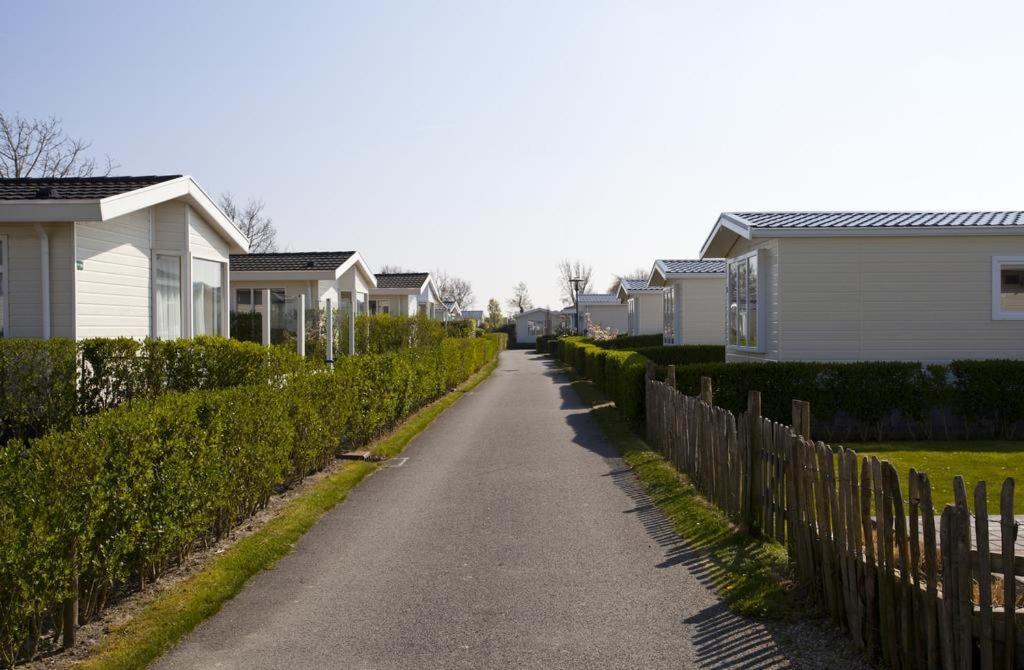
(910, 595)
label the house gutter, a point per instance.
(44, 264)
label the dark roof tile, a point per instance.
(75, 188)
(289, 261)
(402, 279)
(826, 220)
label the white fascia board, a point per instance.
(356, 261)
(533, 311)
(49, 211)
(657, 276)
(279, 275)
(433, 289)
(182, 187)
(726, 224)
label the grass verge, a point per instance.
(172, 615)
(753, 577)
(991, 461)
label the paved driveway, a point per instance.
(512, 536)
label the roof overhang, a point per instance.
(356, 262)
(730, 228)
(432, 287)
(660, 276)
(103, 209)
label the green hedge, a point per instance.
(631, 342)
(870, 400)
(44, 384)
(686, 354)
(129, 492)
(619, 373)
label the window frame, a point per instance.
(761, 319)
(225, 300)
(5, 326)
(668, 314)
(184, 290)
(998, 313)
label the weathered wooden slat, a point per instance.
(903, 595)
(1008, 530)
(931, 599)
(984, 577)
(871, 623)
(965, 609)
(949, 602)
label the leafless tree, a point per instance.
(637, 273)
(253, 223)
(41, 148)
(454, 288)
(391, 270)
(568, 270)
(520, 300)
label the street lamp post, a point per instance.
(576, 281)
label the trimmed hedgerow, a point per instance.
(45, 384)
(620, 373)
(870, 400)
(129, 492)
(631, 342)
(686, 354)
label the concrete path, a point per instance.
(512, 536)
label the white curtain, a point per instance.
(207, 297)
(168, 297)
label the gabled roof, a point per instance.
(732, 226)
(598, 299)
(313, 261)
(627, 287)
(103, 198)
(75, 188)
(675, 268)
(402, 280)
(534, 311)
(299, 265)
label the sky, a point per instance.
(492, 139)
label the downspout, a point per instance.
(44, 263)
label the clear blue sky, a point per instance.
(493, 138)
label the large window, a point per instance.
(744, 294)
(3, 285)
(207, 297)
(251, 299)
(168, 297)
(669, 315)
(1008, 287)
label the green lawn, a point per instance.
(989, 461)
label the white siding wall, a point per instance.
(650, 313)
(113, 286)
(25, 284)
(702, 309)
(204, 242)
(770, 275)
(170, 230)
(894, 298)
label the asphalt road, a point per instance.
(512, 536)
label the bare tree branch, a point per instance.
(391, 270)
(251, 220)
(520, 300)
(568, 270)
(454, 288)
(41, 148)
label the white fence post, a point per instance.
(300, 326)
(330, 335)
(266, 317)
(352, 324)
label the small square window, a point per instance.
(1007, 288)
